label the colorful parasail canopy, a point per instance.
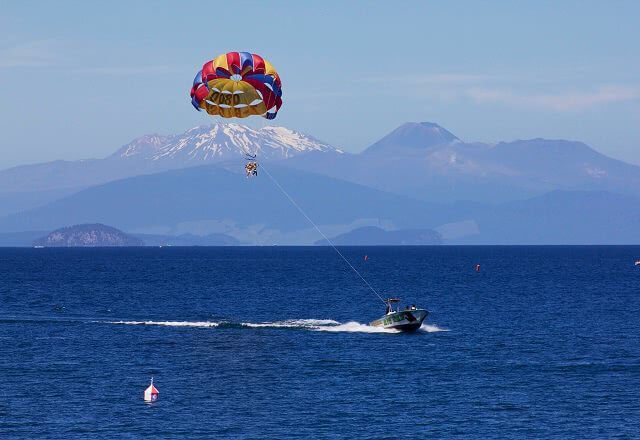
(237, 85)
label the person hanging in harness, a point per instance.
(251, 169)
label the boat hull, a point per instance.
(403, 320)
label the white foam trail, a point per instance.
(202, 324)
(432, 328)
(293, 323)
(354, 327)
(322, 325)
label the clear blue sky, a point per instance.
(79, 79)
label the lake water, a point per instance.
(543, 342)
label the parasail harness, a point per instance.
(251, 168)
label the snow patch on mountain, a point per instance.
(295, 140)
(224, 141)
(143, 146)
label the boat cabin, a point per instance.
(390, 305)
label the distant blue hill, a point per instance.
(88, 235)
(560, 217)
(186, 199)
(371, 235)
(416, 137)
(420, 176)
(30, 238)
(425, 161)
(187, 240)
(21, 201)
(212, 200)
(20, 239)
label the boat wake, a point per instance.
(432, 328)
(354, 327)
(199, 324)
(321, 325)
(311, 324)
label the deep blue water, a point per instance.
(544, 342)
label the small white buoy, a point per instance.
(151, 393)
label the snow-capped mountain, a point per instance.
(34, 184)
(220, 142)
(420, 160)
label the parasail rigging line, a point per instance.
(304, 214)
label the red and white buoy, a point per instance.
(151, 393)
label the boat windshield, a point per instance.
(390, 302)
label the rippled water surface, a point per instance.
(543, 342)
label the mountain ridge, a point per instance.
(421, 161)
(413, 136)
(375, 236)
(222, 141)
(213, 143)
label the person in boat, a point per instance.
(413, 307)
(389, 310)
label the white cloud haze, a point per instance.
(560, 101)
(28, 54)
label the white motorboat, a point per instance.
(407, 320)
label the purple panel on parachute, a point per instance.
(198, 79)
(246, 59)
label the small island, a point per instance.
(88, 235)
